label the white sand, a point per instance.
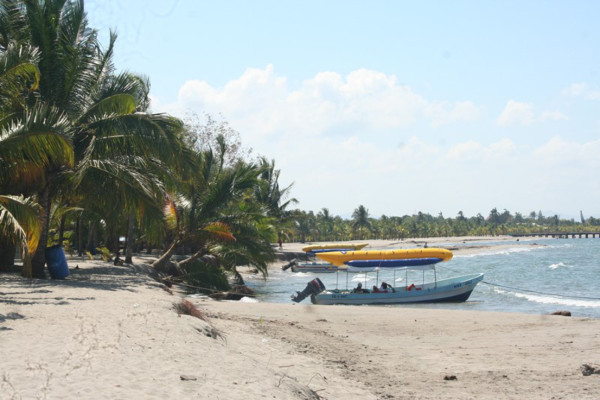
(109, 332)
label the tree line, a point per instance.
(322, 226)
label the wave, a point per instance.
(557, 300)
(560, 265)
(544, 299)
(502, 251)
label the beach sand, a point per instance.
(112, 332)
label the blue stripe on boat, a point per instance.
(405, 262)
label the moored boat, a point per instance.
(324, 266)
(457, 289)
(317, 248)
(318, 267)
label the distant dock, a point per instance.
(559, 235)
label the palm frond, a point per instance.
(219, 231)
(20, 223)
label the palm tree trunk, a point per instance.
(161, 263)
(91, 242)
(7, 255)
(130, 241)
(195, 256)
(79, 237)
(39, 259)
(61, 230)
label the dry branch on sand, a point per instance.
(187, 308)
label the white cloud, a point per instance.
(365, 139)
(329, 103)
(442, 114)
(516, 113)
(553, 116)
(581, 90)
(519, 113)
(573, 155)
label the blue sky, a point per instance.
(430, 106)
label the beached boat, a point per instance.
(456, 289)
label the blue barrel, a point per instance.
(57, 262)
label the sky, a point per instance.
(400, 106)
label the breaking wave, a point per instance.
(558, 300)
(560, 265)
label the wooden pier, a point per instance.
(559, 235)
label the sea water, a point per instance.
(555, 274)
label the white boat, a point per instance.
(322, 266)
(311, 266)
(315, 267)
(446, 290)
(456, 289)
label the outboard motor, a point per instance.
(288, 265)
(313, 287)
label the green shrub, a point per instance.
(207, 275)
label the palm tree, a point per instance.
(269, 193)
(210, 208)
(31, 141)
(360, 218)
(112, 135)
(325, 224)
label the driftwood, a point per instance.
(564, 313)
(588, 370)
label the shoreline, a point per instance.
(112, 332)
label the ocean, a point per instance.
(559, 274)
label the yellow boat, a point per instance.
(340, 257)
(335, 246)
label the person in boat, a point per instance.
(425, 246)
(359, 289)
(385, 287)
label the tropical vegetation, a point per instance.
(323, 226)
(84, 163)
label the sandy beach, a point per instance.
(113, 332)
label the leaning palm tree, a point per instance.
(200, 216)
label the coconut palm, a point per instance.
(270, 193)
(32, 140)
(361, 222)
(112, 135)
(210, 207)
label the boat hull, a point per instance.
(448, 290)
